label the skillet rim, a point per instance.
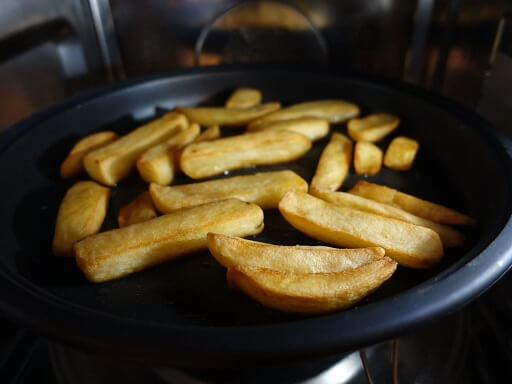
(197, 345)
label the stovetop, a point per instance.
(473, 345)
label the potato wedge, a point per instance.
(230, 251)
(210, 133)
(244, 98)
(373, 127)
(264, 189)
(410, 245)
(157, 164)
(311, 293)
(81, 213)
(114, 161)
(313, 127)
(449, 237)
(334, 163)
(211, 158)
(401, 153)
(139, 210)
(336, 111)
(73, 164)
(120, 252)
(367, 158)
(419, 207)
(227, 116)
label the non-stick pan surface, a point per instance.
(183, 312)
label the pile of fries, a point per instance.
(376, 227)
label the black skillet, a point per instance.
(183, 312)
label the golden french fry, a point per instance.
(177, 150)
(401, 153)
(81, 213)
(311, 293)
(210, 133)
(367, 158)
(313, 127)
(139, 210)
(372, 127)
(114, 161)
(120, 252)
(266, 147)
(410, 245)
(227, 116)
(336, 111)
(411, 204)
(73, 163)
(157, 164)
(230, 251)
(334, 163)
(264, 189)
(244, 98)
(449, 236)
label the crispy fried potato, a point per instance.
(264, 189)
(210, 133)
(449, 236)
(73, 164)
(194, 138)
(81, 213)
(334, 163)
(410, 245)
(210, 158)
(367, 158)
(401, 153)
(419, 207)
(372, 127)
(139, 210)
(157, 164)
(114, 161)
(311, 293)
(244, 98)
(336, 111)
(120, 252)
(230, 251)
(313, 127)
(227, 116)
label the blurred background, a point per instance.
(52, 49)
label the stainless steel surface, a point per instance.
(496, 101)
(237, 38)
(104, 26)
(433, 354)
(497, 41)
(364, 361)
(159, 35)
(468, 54)
(419, 40)
(444, 44)
(342, 372)
(49, 51)
(20, 15)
